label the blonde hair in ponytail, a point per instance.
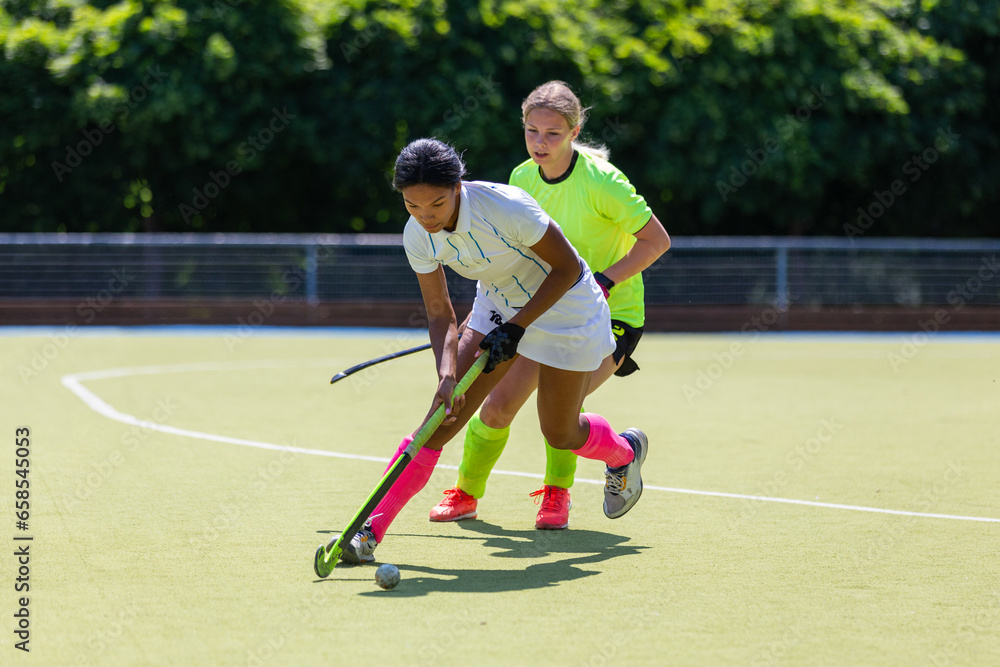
(558, 97)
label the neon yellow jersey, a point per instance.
(599, 211)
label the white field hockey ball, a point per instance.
(387, 576)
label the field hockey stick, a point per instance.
(328, 555)
(388, 357)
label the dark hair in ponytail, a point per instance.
(427, 162)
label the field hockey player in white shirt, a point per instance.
(535, 297)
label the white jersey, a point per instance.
(496, 227)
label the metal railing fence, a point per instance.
(778, 271)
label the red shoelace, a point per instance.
(551, 501)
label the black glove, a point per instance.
(501, 344)
(605, 283)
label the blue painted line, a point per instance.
(212, 330)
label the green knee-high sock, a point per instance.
(560, 465)
(483, 446)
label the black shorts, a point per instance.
(626, 339)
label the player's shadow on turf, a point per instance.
(536, 543)
(593, 547)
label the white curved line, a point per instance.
(74, 382)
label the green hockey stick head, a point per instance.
(326, 560)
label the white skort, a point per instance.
(573, 335)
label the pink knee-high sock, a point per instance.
(409, 484)
(603, 444)
(399, 452)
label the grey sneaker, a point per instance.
(361, 549)
(623, 485)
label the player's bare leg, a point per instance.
(486, 438)
(560, 396)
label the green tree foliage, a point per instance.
(730, 116)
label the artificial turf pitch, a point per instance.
(175, 507)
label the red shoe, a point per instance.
(554, 512)
(457, 505)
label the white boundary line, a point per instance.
(74, 382)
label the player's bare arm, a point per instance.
(556, 251)
(443, 330)
(650, 242)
